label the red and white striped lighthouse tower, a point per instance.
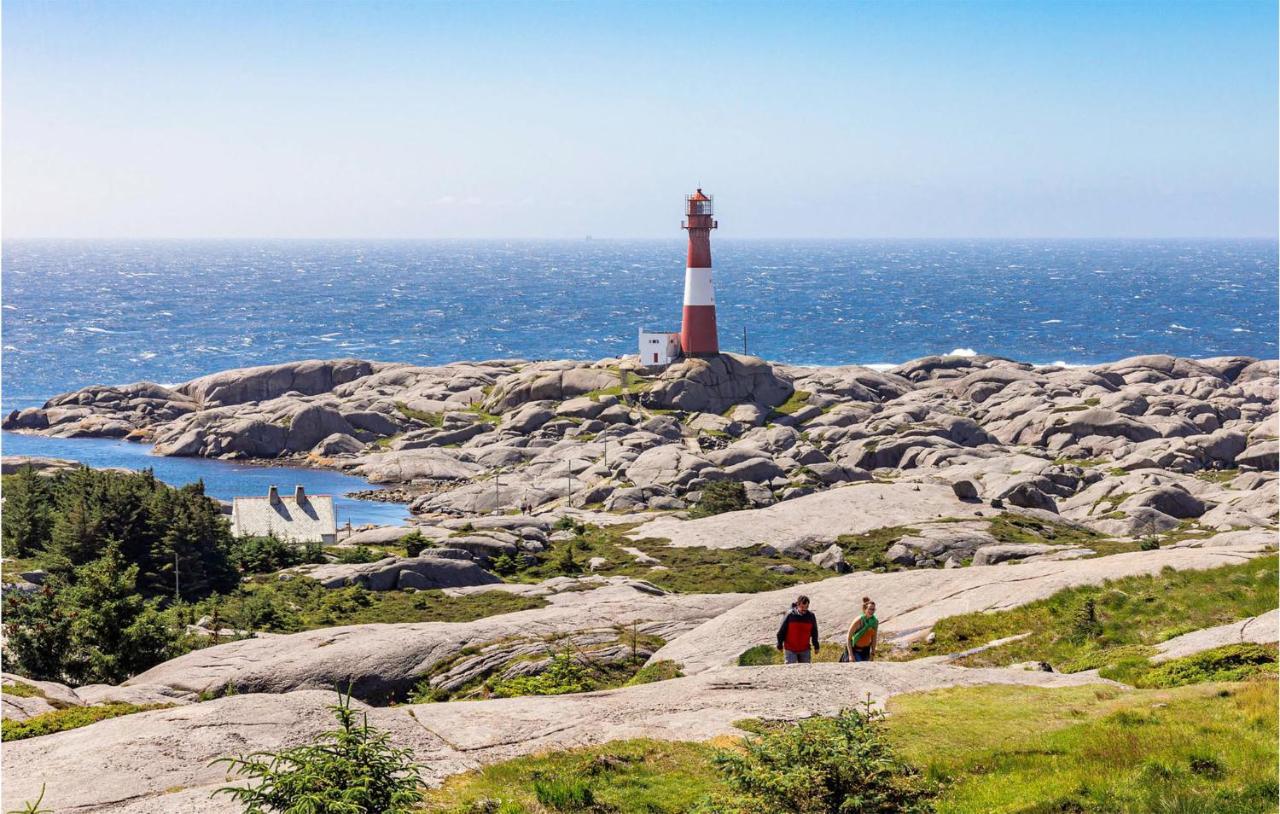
(698, 328)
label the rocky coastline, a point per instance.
(471, 438)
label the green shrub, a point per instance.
(414, 543)
(564, 793)
(60, 720)
(1084, 622)
(837, 765)
(564, 674)
(1149, 544)
(505, 564)
(721, 496)
(90, 627)
(21, 690)
(351, 770)
(359, 554)
(658, 671)
(1232, 662)
(760, 656)
(266, 555)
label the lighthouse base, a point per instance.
(698, 331)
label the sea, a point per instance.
(76, 313)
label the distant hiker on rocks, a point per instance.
(798, 633)
(861, 643)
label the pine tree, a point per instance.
(26, 522)
(114, 633)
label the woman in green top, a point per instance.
(862, 633)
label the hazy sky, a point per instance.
(479, 119)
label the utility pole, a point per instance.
(744, 340)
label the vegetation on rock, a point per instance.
(719, 497)
(351, 770)
(60, 720)
(1112, 626)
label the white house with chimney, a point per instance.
(300, 518)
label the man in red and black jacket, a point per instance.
(799, 631)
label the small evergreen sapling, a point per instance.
(351, 770)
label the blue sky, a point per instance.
(481, 119)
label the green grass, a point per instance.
(385, 443)
(430, 419)
(688, 570)
(792, 405)
(302, 604)
(60, 720)
(1132, 614)
(1218, 475)
(865, 552)
(1205, 749)
(624, 777)
(20, 690)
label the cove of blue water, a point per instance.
(222, 479)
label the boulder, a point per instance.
(1264, 455)
(308, 378)
(715, 384)
(1004, 552)
(832, 559)
(338, 444)
(965, 489)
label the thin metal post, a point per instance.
(744, 340)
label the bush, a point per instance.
(351, 770)
(721, 496)
(1084, 622)
(70, 519)
(266, 555)
(505, 564)
(658, 671)
(564, 674)
(60, 720)
(414, 543)
(1149, 544)
(835, 765)
(359, 554)
(90, 627)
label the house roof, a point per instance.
(307, 521)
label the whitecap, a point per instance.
(963, 352)
(96, 330)
(1051, 322)
(1241, 331)
(1178, 327)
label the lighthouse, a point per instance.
(698, 327)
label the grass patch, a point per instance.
(303, 604)
(385, 443)
(625, 777)
(60, 720)
(792, 405)
(686, 570)
(1017, 528)
(19, 689)
(1218, 475)
(422, 416)
(1098, 626)
(1207, 748)
(865, 552)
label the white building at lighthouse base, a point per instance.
(659, 347)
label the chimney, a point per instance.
(273, 495)
(299, 496)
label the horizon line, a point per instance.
(593, 238)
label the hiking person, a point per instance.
(861, 642)
(799, 632)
